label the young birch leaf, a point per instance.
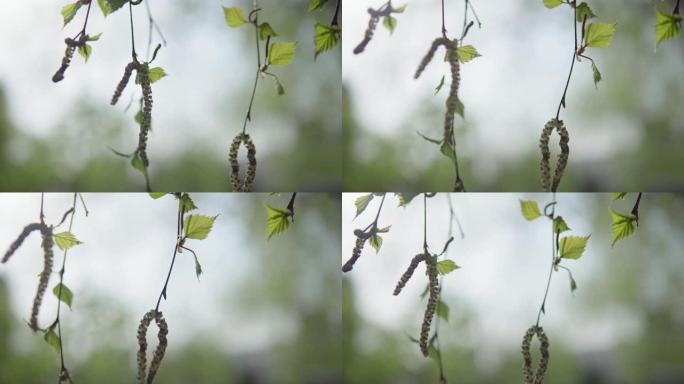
(385, 229)
(137, 163)
(399, 9)
(282, 53)
(95, 37)
(52, 339)
(443, 310)
(444, 267)
(63, 294)
(316, 4)
(619, 195)
(572, 247)
(198, 226)
(155, 74)
(390, 23)
(376, 242)
(583, 10)
(439, 86)
(667, 26)
(405, 197)
(467, 53)
(69, 11)
(85, 50)
(266, 31)
(622, 225)
(277, 222)
(599, 35)
(104, 7)
(157, 195)
(234, 16)
(433, 141)
(361, 203)
(596, 73)
(460, 108)
(573, 284)
(448, 151)
(326, 38)
(559, 225)
(530, 209)
(113, 6)
(186, 203)
(198, 267)
(552, 3)
(65, 240)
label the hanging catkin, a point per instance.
(146, 124)
(370, 30)
(417, 259)
(22, 236)
(71, 46)
(250, 175)
(537, 376)
(44, 276)
(124, 81)
(356, 253)
(143, 376)
(431, 305)
(562, 161)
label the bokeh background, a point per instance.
(262, 312)
(625, 135)
(624, 323)
(57, 136)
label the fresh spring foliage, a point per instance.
(278, 220)
(667, 25)
(326, 37)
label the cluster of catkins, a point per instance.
(148, 377)
(48, 256)
(71, 45)
(546, 154)
(368, 36)
(433, 290)
(246, 185)
(146, 123)
(452, 101)
(535, 377)
(361, 238)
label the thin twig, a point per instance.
(179, 233)
(572, 65)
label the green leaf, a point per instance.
(376, 242)
(573, 284)
(198, 266)
(155, 74)
(198, 226)
(443, 310)
(326, 38)
(316, 4)
(448, 151)
(110, 6)
(361, 203)
(622, 225)
(138, 118)
(65, 240)
(583, 10)
(95, 37)
(64, 295)
(572, 247)
(444, 267)
(399, 9)
(278, 220)
(69, 11)
(439, 86)
(405, 197)
(280, 90)
(157, 195)
(433, 353)
(530, 209)
(597, 74)
(104, 7)
(390, 23)
(433, 141)
(186, 203)
(138, 164)
(667, 26)
(282, 53)
(234, 16)
(385, 229)
(265, 31)
(52, 339)
(552, 3)
(559, 225)
(466, 53)
(619, 195)
(85, 50)
(599, 35)
(460, 108)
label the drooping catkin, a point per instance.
(124, 81)
(71, 46)
(22, 236)
(562, 160)
(143, 376)
(417, 259)
(250, 175)
(431, 305)
(356, 253)
(536, 376)
(370, 30)
(44, 277)
(431, 53)
(146, 124)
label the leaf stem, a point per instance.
(85, 23)
(335, 19)
(179, 233)
(572, 65)
(153, 26)
(130, 12)
(542, 309)
(248, 116)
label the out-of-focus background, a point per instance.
(57, 136)
(262, 311)
(625, 135)
(624, 323)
